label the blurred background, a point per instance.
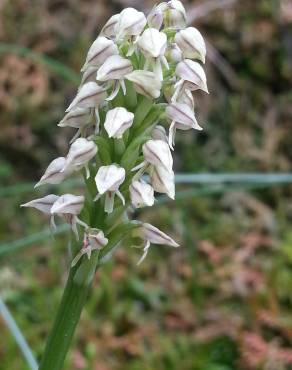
(221, 302)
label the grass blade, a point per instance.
(19, 338)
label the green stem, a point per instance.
(68, 315)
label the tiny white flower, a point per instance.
(155, 18)
(163, 181)
(192, 77)
(108, 29)
(145, 83)
(42, 204)
(69, 206)
(174, 14)
(54, 173)
(192, 44)
(186, 97)
(108, 180)
(89, 75)
(152, 44)
(80, 153)
(100, 50)
(90, 95)
(182, 117)
(141, 194)
(94, 239)
(117, 121)
(159, 133)
(114, 69)
(76, 118)
(152, 235)
(130, 23)
(157, 153)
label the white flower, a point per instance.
(174, 14)
(163, 181)
(90, 95)
(130, 23)
(155, 18)
(157, 153)
(108, 180)
(141, 194)
(186, 97)
(192, 44)
(76, 118)
(117, 121)
(182, 117)
(145, 83)
(68, 204)
(94, 239)
(153, 235)
(114, 69)
(152, 44)
(42, 204)
(108, 29)
(54, 173)
(192, 77)
(80, 153)
(89, 75)
(69, 207)
(100, 50)
(159, 133)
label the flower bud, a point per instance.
(192, 44)
(89, 96)
(100, 50)
(80, 153)
(163, 181)
(152, 43)
(76, 118)
(155, 18)
(145, 83)
(131, 23)
(43, 204)
(193, 75)
(157, 153)
(159, 133)
(108, 29)
(175, 15)
(141, 194)
(68, 204)
(114, 68)
(117, 121)
(53, 174)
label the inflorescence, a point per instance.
(137, 79)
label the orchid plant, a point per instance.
(135, 92)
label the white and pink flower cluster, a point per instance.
(137, 83)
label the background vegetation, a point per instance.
(221, 302)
